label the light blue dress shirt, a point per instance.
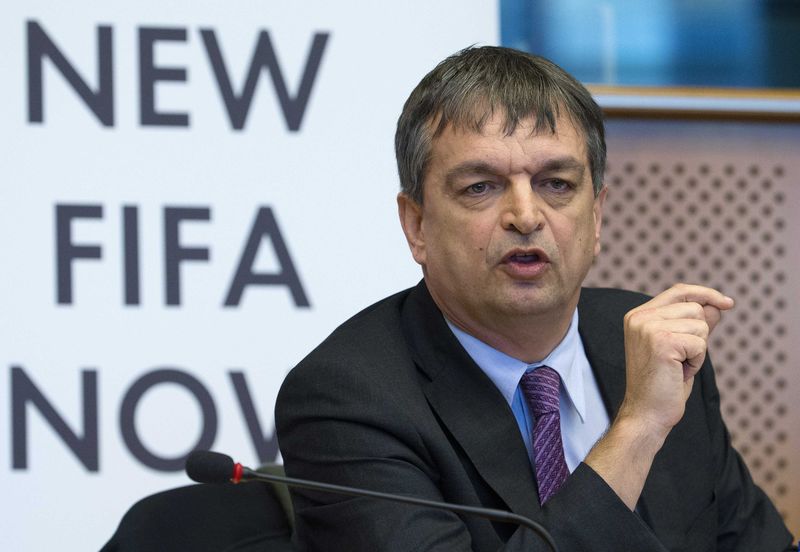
(583, 416)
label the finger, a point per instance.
(712, 316)
(683, 326)
(670, 312)
(692, 293)
(694, 354)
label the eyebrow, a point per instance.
(470, 167)
(566, 163)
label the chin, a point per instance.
(530, 304)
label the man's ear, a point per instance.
(597, 211)
(411, 220)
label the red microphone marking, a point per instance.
(238, 471)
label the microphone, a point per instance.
(205, 466)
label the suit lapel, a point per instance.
(602, 339)
(469, 405)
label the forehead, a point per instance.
(524, 144)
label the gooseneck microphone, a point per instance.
(214, 467)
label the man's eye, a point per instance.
(558, 185)
(477, 188)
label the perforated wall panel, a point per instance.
(685, 207)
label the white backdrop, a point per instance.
(152, 377)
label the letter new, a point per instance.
(100, 99)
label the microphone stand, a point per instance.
(489, 513)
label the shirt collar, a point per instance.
(505, 371)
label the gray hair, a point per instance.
(468, 87)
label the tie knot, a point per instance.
(540, 388)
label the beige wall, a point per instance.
(716, 203)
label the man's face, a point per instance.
(509, 225)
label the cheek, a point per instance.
(483, 239)
(589, 238)
(465, 235)
(575, 237)
(442, 241)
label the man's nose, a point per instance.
(522, 209)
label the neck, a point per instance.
(527, 338)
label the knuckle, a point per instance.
(628, 316)
(633, 317)
(701, 344)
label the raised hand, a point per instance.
(665, 345)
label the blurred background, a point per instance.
(705, 43)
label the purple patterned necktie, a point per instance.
(540, 389)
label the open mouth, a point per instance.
(526, 264)
(524, 258)
(530, 256)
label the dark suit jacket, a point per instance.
(391, 401)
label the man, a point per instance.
(498, 381)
